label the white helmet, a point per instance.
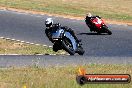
(49, 22)
(89, 15)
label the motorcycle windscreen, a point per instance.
(73, 41)
(57, 34)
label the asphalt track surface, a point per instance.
(44, 61)
(30, 28)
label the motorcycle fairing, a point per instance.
(98, 22)
(57, 34)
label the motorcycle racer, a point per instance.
(88, 18)
(96, 24)
(50, 27)
(73, 46)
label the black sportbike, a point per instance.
(64, 40)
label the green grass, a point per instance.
(14, 47)
(58, 77)
(109, 9)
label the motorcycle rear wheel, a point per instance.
(80, 50)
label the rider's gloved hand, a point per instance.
(98, 17)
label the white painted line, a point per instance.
(22, 41)
(25, 42)
(28, 42)
(10, 54)
(18, 40)
(8, 38)
(50, 46)
(53, 54)
(39, 54)
(13, 54)
(32, 43)
(37, 44)
(13, 39)
(2, 37)
(44, 45)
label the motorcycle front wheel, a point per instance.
(107, 30)
(67, 45)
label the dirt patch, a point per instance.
(4, 44)
(4, 85)
(64, 16)
(17, 45)
(118, 22)
(12, 46)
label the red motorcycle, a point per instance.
(96, 24)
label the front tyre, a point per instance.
(107, 30)
(67, 45)
(98, 32)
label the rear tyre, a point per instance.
(80, 51)
(67, 45)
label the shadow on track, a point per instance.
(90, 34)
